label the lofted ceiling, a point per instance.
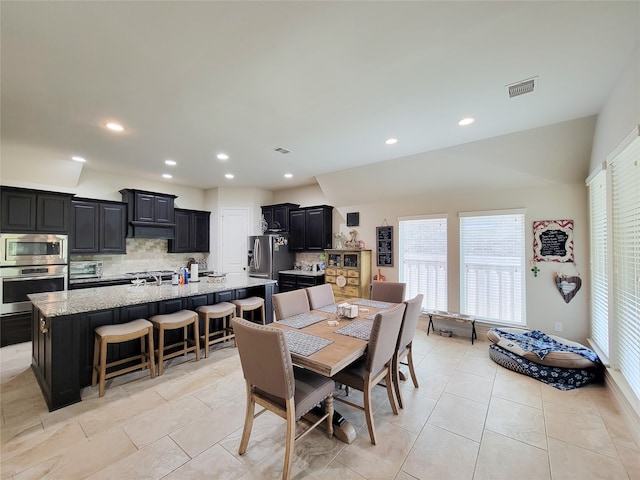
(329, 81)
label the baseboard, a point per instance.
(625, 400)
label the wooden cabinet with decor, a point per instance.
(349, 273)
(277, 216)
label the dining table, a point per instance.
(325, 342)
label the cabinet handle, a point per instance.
(43, 326)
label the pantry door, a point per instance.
(235, 235)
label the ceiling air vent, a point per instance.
(284, 151)
(523, 87)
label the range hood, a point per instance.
(149, 214)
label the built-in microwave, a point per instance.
(32, 249)
(88, 269)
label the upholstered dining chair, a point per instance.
(376, 364)
(388, 291)
(276, 385)
(405, 344)
(288, 304)
(320, 296)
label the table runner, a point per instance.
(302, 320)
(303, 343)
(358, 329)
(374, 303)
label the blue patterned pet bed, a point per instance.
(558, 377)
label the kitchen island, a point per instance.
(63, 325)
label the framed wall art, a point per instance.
(553, 241)
(384, 243)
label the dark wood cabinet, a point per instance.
(311, 228)
(149, 214)
(288, 282)
(277, 216)
(15, 329)
(25, 210)
(192, 231)
(98, 227)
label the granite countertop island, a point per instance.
(307, 273)
(71, 302)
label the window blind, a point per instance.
(599, 273)
(492, 264)
(423, 259)
(625, 195)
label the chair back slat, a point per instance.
(320, 295)
(265, 358)
(388, 291)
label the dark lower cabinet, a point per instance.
(15, 329)
(288, 282)
(25, 211)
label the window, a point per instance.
(599, 274)
(423, 259)
(625, 242)
(492, 266)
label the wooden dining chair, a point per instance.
(288, 304)
(320, 296)
(388, 291)
(405, 344)
(276, 385)
(376, 364)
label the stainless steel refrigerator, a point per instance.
(268, 255)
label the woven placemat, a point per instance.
(302, 320)
(305, 344)
(358, 329)
(331, 308)
(373, 303)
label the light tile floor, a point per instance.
(470, 419)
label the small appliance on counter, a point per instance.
(88, 269)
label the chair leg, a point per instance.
(248, 421)
(290, 439)
(196, 337)
(160, 349)
(389, 382)
(328, 408)
(96, 359)
(411, 369)
(103, 365)
(396, 379)
(206, 336)
(368, 410)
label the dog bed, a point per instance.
(549, 350)
(560, 378)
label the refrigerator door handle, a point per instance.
(256, 253)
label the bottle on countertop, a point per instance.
(186, 275)
(175, 278)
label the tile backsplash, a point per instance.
(143, 254)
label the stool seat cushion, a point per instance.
(178, 317)
(251, 302)
(123, 328)
(222, 308)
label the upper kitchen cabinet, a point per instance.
(26, 210)
(192, 232)
(98, 227)
(149, 214)
(310, 228)
(277, 216)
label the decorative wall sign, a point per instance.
(353, 219)
(553, 241)
(384, 242)
(567, 286)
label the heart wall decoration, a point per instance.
(567, 286)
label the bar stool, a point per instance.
(250, 304)
(223, 310)
(171, 321)
(119, 333)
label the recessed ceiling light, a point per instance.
(222, 156)
(170, 162)
(166, 175)
(228, 175)
(466, 121)
(288, 175)
(78, 159)
(116, 127)
(391, 141)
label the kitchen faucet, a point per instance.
(157, 277)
